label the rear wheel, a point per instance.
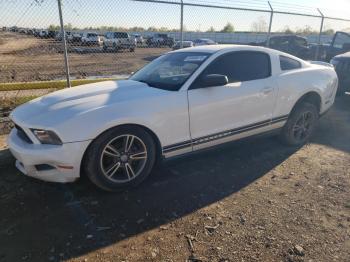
(120, 158)
(300, 125)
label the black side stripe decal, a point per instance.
(279, 119)
(223, 134)
(177, 146)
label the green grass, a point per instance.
(60, 84)
(14, 102)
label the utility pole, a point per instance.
(270, 25)
(64, 43)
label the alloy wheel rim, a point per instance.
(302, 127)
(123, 158)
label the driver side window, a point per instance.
(238, 67)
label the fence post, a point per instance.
(182, 24)
(319, 36)
(270, 25)
(66, 64)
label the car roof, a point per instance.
(287, 35)
(217, 48)
(229, 47)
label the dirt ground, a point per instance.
(253, 200)
(26, 58)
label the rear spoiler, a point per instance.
(321, 63)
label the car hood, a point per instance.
(65, 104)
(343, 56)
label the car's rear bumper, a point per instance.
(53, 163)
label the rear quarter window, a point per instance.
(287, 63)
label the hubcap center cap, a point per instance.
(124, 158)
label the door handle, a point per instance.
(267, 90)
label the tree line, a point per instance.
(228, 28)
(258, 26)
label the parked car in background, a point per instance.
(183, 101)
(13, 29)
(51, 33)
(118, 41)
(90, 38)
(43, 33)
(341, 64)
(22, 30)
(291, 44)
(158, 40)
(69, 36)
(30, 32)
(58, 36)
(185, 44)
(138, 39)
(340, 44)
(36, 32)
(76, 37)
(204, 41)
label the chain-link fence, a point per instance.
(42, 48)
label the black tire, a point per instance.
(132, 49)
(93, 163)
(104, 47)
(291, 133)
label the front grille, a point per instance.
(22, 135)
(44, 167)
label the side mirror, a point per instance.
(214, 80)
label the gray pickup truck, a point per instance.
(118, 41)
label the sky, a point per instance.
(128, 13)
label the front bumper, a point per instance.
(52, 163)
(94, 42)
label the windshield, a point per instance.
(341, 39)
(170, 71)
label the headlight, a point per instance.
(47, 137)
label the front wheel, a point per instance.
(120, 158)
(300, 125)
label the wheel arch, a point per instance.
(311, 97)
(147, 129)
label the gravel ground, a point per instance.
(24, 58)
(253, 200)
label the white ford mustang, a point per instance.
(183, 101)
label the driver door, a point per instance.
(237, 109)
